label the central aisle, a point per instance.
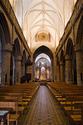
(44, 110)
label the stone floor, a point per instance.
(45, 110)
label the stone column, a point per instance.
(58, 72)
(52, 69)
(34, 72)
(6, 64)
(68, 70)
(29, 71)
(23, 69)
(62, 74)
(48, 73)
(39, 72)
(32, 69)
(55, 68)
(79, 66)
(18, 69)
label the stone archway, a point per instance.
(0, 61)
(15, 66)
(62, 66)
(24, 63)
(70, 63)
(43, 67)
(5, 28)
(79, 52)
(5, 50)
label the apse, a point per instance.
(43, 68)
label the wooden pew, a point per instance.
(17, 98)
(70, 97)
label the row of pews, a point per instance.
(15, 101)
(70, 99)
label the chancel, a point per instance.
(43, 67)
(41, 62)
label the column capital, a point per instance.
(61, 63)
(7, 48)
(67, 57)
(78, 48)
(19, 58)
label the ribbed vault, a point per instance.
(43, 21)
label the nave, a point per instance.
(41, 40)
(46, 104)
(45, 110)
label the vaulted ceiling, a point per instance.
(43, 21)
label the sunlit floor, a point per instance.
(45, 110)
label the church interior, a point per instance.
(41, 62)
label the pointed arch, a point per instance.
(69, 47)
(62, 58)
(5, 28)
(79, 39)
(43, 63)
(16, 48)
(4, 40)
(43, 49)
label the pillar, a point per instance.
(29, 71)
(39, 73)
(23, 69)
(79, 66)
(68, 69)
(36, 75)
(6, 64)
(52, 73)
(18, 69)
(58, 72)
(55, 68)
(62, 75)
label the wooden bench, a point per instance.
(70, 98)
(17, 98)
